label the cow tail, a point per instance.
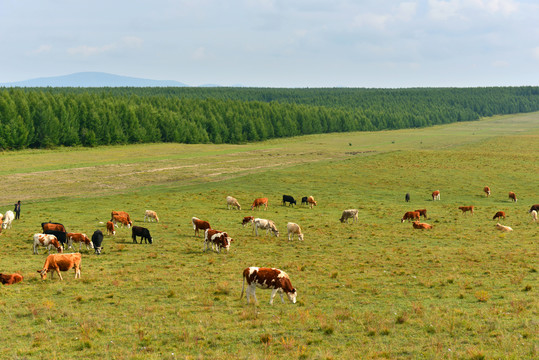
(242, 287)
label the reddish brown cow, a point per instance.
(61, 262)
(247, 219)
(422, 212)
(199, 225)
(512, 196)
(259, 202)
(411, 215)
(466, 208)
(418, 225)
(9, 279)
(268, 278)
(50, 226)
(122, 219)
(217, 239)
(436, 195)
(498, 215)
(110, 228)
(486, 189)
(78, 238)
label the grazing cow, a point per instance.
(466, 208)
(265, 224)
(9, 279)
(407, 197)
(143, 233)
(294, 229)
(46, 240)
(259, 202)
(232, 202)
(534, 215)
(120, 213)
(534, 207)
(60, 235)
(499, 215)
(486, 189)
(61, 262)
(436, 195)
(304, 200)
(121, 219)
(200, 225)
(512, 196)
(410, 215)
(247, 219)
(422, 212)
(217, 239)
(311, 201)
(150, 214)
(268, 278)
(52, 226)
(418, 225)
(503, 228)
(97, 240)
(110, 228)
(8, 218)
(289, 199)
(349, 214)
(78, 238)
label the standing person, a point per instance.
(17, 209)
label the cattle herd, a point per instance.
(54, 235)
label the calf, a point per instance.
(199, 225)
(407, 197)
(78, 238)
(247, 219)
(9, 279)
(418, 225)
(436, 195)
(486, 189)
(349, 214)
(46, 240)
(52, 226)
(8, 218)
(311, 201)
(268, 278)
(503, 228)
(259, 202)
(61, 262)
(217, 239)
(97, 240)
(150, 214)
(110, 228)
(289, 199)
(512, 196)
(534, 215)
(466, 208)
(410, 215)
(265, 224)
(304, 200)
(499, 215)
(294, 229)
(232, 202)
(422, 212)
(142, 232)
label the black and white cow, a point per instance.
(97, 240)
(289, 199)
(60, 235)
(268, 278)
(142, 232)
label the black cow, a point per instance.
(407, 197)
(142, 232)
(289, 199)
(534, 207)
(97, 239)
(304, 200)
(60, 235)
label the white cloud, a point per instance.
(500, 64)
(86, 50)
(199, 54)
(535, 53)
(42, 49)
(132, 42)
(464, 9)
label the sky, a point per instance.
(276, 43)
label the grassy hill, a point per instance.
(374, 289)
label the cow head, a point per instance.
(300, 236)
(150, 240)
(292, 295)
(97, 250)
(43, 273)
(60, 249)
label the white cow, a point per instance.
(150, 214)
(8, 218)
(232, 202)
(46, 240)
(265, 224)
(294, 229)
(349, 214)
(503, 228)
(534, 215)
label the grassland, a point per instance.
(375, 289)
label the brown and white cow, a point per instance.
(122, 219)
(259, 202)
(265, 224)
(294, 229)
(503, 227)
(78, 238)
(466, 208)
(232, 202)
(311, 201)
(486, 189)
(534, 207)
(150, 214)
(110, 228)
(349, 214)
(199, 225)
(499, 215)
(46, 241)
(410, 215)
(217, 239)
(436, 195)
(512, 196)
(422, 212)
(534, 215)
(418, 225)
(247, 219)
(268, 278)
(61, 262)
(9, 279)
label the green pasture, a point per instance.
(376, 289)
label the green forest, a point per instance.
(51, 117)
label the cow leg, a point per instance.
(281, 293)
(77, 272)
(60, 275)
(273, 293)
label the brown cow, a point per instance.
(512, 196)
(411, 215)
(61, 262)
(311, 201)
(436, 195)
(486, 189)
(110, 228)
(268, 278)
(9, 279)
(217, 239)
(247, 219)
(466, 208)
(122, 219)
(50, 226)
(199, 225)
(498, 215)
(418, 225)
(78, 238)
(259, 202)
(422, 212)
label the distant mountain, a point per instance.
(93, 79)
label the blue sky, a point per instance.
(276, 43)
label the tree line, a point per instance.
(50, 117)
